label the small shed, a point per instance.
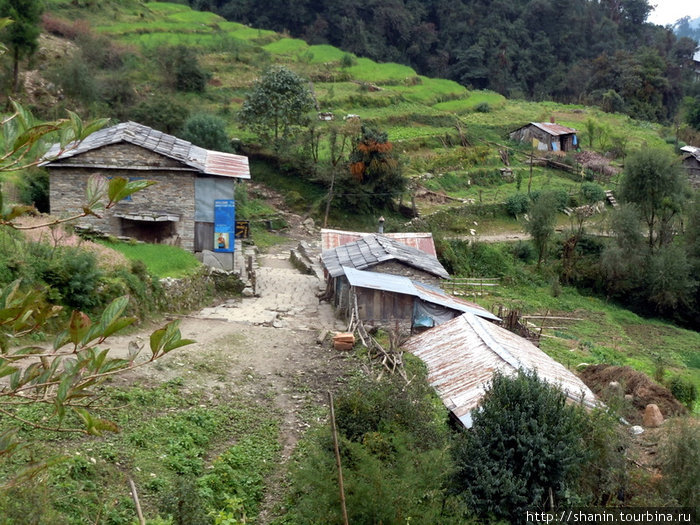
(179, 209)
(691, 163)
(385, 299)
(463, 354)
(547, 136)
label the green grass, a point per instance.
(606, 333)
(464, 105)
(323, 53)
(160, 259)
(225, 445)
(286, 46)
(381, 73)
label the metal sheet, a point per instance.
(421, 241)
(463, 354)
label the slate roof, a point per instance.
(373, 249)
(422, 241)
(205, 161)
(463, 354)
(403, 285)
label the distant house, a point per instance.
(463, 354)
(691, 163)
(390, 300)
(547, 136)
(179, 209)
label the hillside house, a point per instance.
(377, 253)
(179, 209)
(547, 136)
(691, 163)
(390, 300)
(463, 354)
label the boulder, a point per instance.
(652, 416)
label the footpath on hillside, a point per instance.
(264, 347)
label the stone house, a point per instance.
(178, 209)
(547, 136)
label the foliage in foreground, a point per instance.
(395, 460)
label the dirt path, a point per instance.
(266, 345)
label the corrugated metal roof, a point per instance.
(202, 160)
(373, 249)
(403, 285)
(421, 241)
(435, 295)
(554, 129)
(463, 354)
(695, 152)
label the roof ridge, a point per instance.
(492, 344)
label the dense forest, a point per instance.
(593, 52)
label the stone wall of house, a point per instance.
(173, 193)
(397, 268)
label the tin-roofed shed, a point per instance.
(385, 299)
(179, 209)
(547, 136)
(463, 354)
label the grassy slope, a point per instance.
(417, 112)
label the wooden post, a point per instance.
(135, 497)
(337, 461)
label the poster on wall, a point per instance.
(224, 225)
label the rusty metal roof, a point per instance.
(204, 161)
(463, 354)
(403, 285)
(421, 241)
(373, 249)
(554, 129)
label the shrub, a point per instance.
(678, 452)
(517, 204)
(524, 447)
(161, 112)
(75, 276)
(182, 69)
(206, 131)
(592, 192)
(683, 390)
(483, 107)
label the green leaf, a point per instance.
(115, 187)
(6, 369)
(96, 190)
(123, 190)
(117, 325)
(166, 339)
(32, 135)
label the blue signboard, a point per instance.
(224, 225)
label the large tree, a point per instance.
(655, 183)
(278, 103)
(22, 36)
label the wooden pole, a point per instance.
(337, 461)
(135, 497)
